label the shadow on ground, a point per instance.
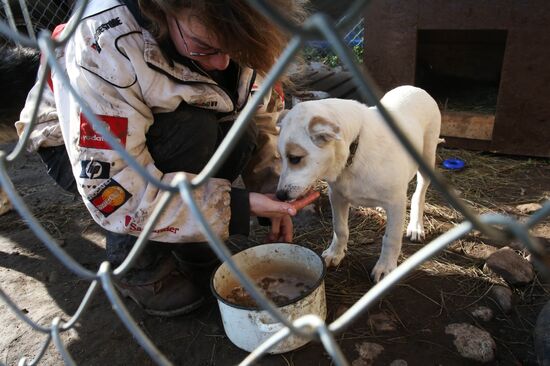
(420, 307)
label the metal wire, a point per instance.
(44, 15)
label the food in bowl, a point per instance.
(280, 284)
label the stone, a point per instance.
(541, 336)
(5, 203)
(399, 362)
(367, 353)
(513, 268)
(503, 296)
(542, 241)
(382, 322)
(477, 250)
(471, 342)
(482, 312)
(528, 208)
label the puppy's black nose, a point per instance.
(282, 195)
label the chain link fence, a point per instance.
(20, 26)
(30, 17)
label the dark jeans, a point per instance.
(183, 140)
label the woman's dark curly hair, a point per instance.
(250, 38)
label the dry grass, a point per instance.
(489, 183)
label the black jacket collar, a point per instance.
(134, 9)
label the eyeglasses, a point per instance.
(193, 53)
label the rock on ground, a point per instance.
(399, 362)
(542, 336)
(382, 322)
(482, 312)
(472, 342)
(5, 203)
(529, 208)
(367, 353)
(512, 267)
(503, 296)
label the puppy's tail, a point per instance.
(441, 141)
(18, 70)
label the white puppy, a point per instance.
(350, 146)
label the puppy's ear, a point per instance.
(321, 131)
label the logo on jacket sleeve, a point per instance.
(137, 228)
(95, 169)
(113, 23)
(118, 126)
(109, 197)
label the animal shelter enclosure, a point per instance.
(485, 62)
(57, 297)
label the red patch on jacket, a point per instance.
(118, 126)
(110, 197)
(55, 34)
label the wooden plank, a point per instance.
(468, 125)
(468, 144)
(344, 89)
(330, 83)
(338, 84)
(315, 77)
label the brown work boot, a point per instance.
(161, 290)
(195, 256)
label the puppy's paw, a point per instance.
(382, 269)
(415, 231)
(333, 257)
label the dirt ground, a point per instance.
(443, 291)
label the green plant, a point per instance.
(328, 57)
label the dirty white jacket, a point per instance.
(117, 67)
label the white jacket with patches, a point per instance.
(119, 70)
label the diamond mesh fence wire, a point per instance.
(355, 36)
(20, 26)
(29, 17)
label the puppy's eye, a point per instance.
(292, 159)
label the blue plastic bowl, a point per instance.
(453, 164)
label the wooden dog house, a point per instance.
(486, 62)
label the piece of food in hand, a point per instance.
(306, 200)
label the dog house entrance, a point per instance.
(461, 69)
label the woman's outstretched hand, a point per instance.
(279, 212)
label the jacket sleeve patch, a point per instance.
(109, 197)
(113, 23)
(118, 126)
(95, 169)
(137, 228)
